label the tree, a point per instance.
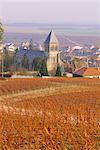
(1, 40)
(78, 63)
(58, 71)
(25, 62)
(1, 32)
(31, 44)
(43, 70)
(8, 60)
(17, 49)
(36, 64)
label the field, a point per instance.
(50, 114)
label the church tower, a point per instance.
(51, 46)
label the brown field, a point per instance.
(50, 114)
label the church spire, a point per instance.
(51, 38)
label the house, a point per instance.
(87, 72)
(12, 48)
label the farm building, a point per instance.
(87, 72)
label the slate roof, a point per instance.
(51, 38)
(88, 71)
(30, 54)
(35, 53)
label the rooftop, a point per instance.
(51, 38)
(88, 71)
(30, 53)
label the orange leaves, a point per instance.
(12, 86)
(58, 114)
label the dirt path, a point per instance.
(6, 100)
(35, 93)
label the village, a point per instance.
(69, 61)
(49, 75)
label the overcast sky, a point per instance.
(51, 11)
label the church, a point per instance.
(51, 53)
(51, 47)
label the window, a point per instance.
(52, 48)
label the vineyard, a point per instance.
(50, 114)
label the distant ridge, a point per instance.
(30, 24)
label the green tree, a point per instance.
(1, 32)
(8, 61)
(25, 62)
(43, 70)
(17, 49)
(36, 64)
(58, 71)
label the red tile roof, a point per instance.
(88, 71)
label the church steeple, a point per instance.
(51, 46)
(51, 42)
(51, 38)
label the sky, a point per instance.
(51, 11)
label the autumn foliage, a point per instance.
(50, 114)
